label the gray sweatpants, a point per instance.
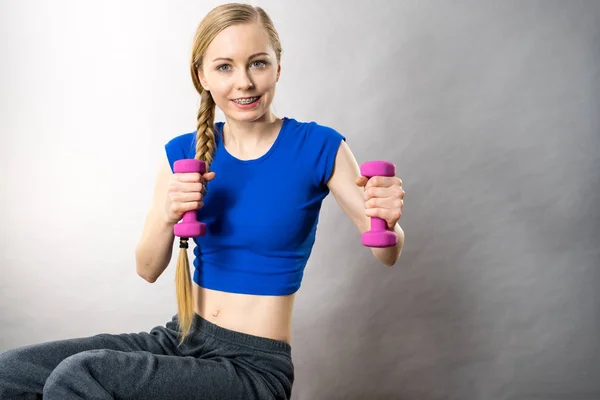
(213, 363)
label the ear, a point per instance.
(203, 80)
(278, 72)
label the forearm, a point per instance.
(155, 248)
(389, 255)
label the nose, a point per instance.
(243, 81)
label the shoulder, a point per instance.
(183, 145)
(184, 139)
(181, 139)
(313, 130)
(180, 147)
(320, 144)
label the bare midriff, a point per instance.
(265, 316)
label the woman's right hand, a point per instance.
(185, 193)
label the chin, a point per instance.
(248, 115)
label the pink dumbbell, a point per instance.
(379, 235)
(189, 227)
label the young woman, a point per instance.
(260, 201)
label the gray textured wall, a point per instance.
(489, 109)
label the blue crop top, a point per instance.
(261, 215)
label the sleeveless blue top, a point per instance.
(261, 215)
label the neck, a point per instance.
(242, 134)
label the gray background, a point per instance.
(489, 109)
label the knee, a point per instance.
(77, 364)
(8, 362)
(8, 365)
(72, 371)
(14, 367)
(12, 362)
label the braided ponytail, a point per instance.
(205, 136)
(205, 150)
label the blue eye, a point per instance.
(260, 63)
(221, 67)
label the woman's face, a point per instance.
(240, 70)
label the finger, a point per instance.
(391, 216)
(375, 191)
(191, 187)
(187, 197)
(209, 176)
(382, 181)
(387, 203)
(361, 181)
(188, 176)
(188, 206)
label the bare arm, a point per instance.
(154, 250)
(350, 198)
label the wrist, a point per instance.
(167, 223)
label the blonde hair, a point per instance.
(214, 22)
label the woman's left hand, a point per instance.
(384, 198)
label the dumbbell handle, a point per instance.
(379, 235)
(378, 224)
(189, 217)
(189, 226)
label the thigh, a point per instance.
(24, 370)
(110, 374)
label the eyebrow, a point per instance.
(229, 59)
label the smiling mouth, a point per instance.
(246, 100)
